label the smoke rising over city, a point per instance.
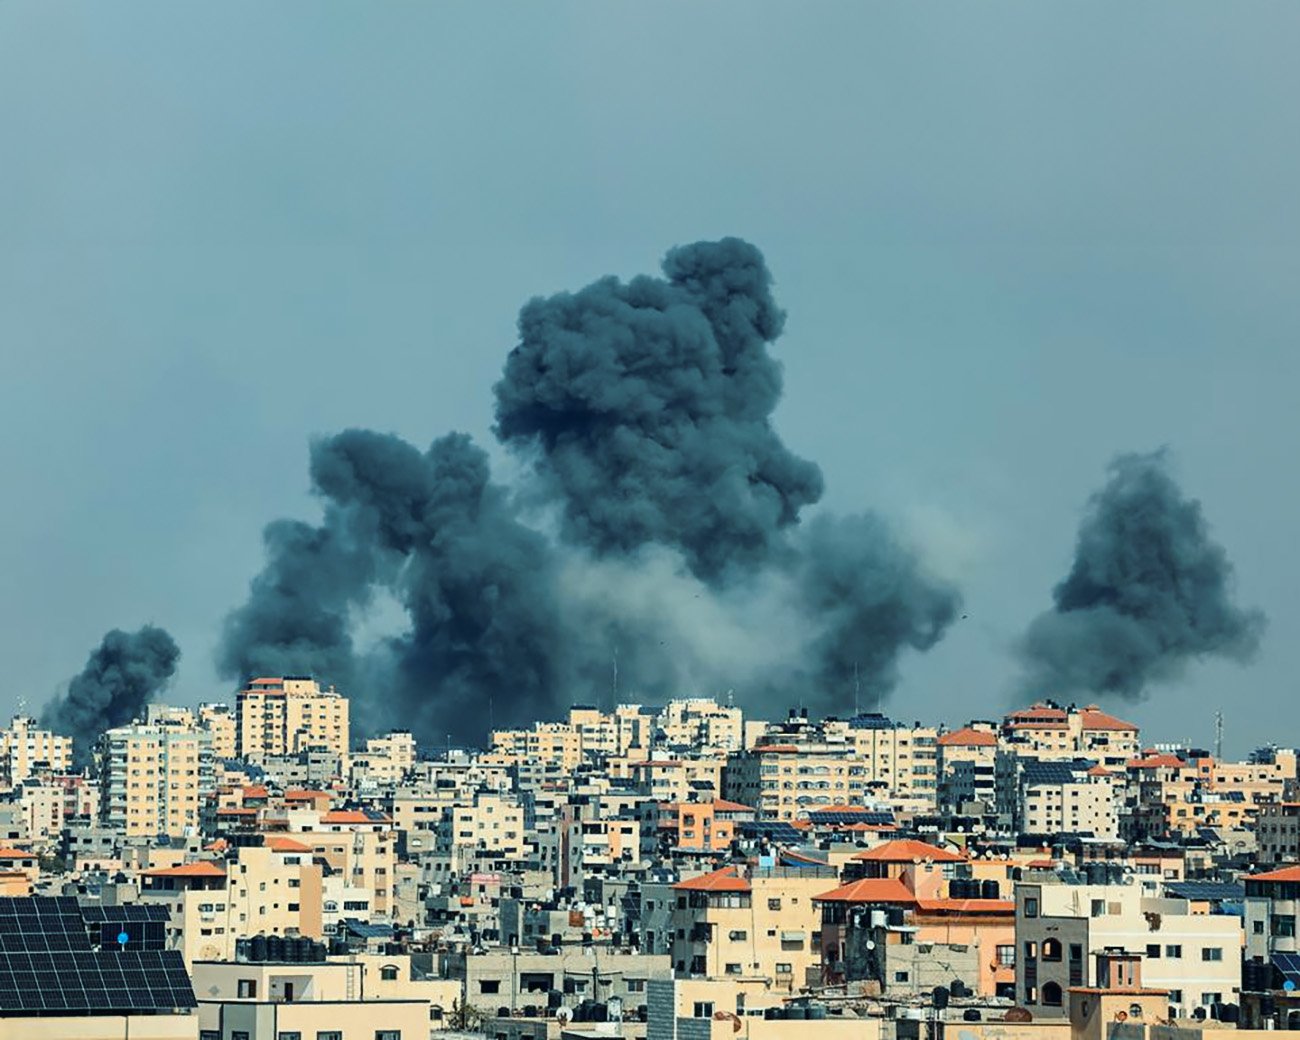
(655, 534)
(1149, 592)
(122, 675)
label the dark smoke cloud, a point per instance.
(643, 411)
(122, 675)
(647, 408)
(432, 529)
(1149, 591)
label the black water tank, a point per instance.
(1230, 1013)
(971, 1015)
(958, 988)
(772, 1014)
(257, 948)
(817, 1012)
(275, 950)
(896, 917)
(989, 889)
(1267, 1005)
(599, 1013)
(554, 999)
(796, 1012)
(940, 997)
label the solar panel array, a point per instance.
(874, 819)
(1288, 964)
(772, 831)
(48, 963)
(1206, 890)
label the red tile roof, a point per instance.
(279, 844)
(1094, 718)
(724, 880)
(909, 850)
(16, 854)
(202, 868)
(1156, 762)
(869, 890)
(968, 737)
(721, 805)
(1282, 874)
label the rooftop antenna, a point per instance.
(857, 690)
(614, 689)
(1218, 736)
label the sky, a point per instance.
(1012, 240)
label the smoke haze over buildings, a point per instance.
(656, 493)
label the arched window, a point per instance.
(1051, 993)
(1051, 949)
(388, 973)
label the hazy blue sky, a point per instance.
(1013, 239)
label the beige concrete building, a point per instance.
(746, 923)
(218, 720)
(151, 779)
(783, 781)
(25, 747)
(288, 715)
(489, 822)
(1046, 730)
(1183, 948)
(361, 846)
(701, 722)
(386, 759)
(1087, 803)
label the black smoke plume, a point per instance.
(122, 675)
(657, 522)
(1149, 591)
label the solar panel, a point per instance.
(1206, 890)
(1289, 965)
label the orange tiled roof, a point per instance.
(1094, 718)
(1156, 762)
(869, 890)
(279, 844)
(351, 816)
(201, 868)
(968, 736)
(16, 854)
(724, 880)
(722, 805)
(255, 791)
(907, 850)
(1282, 874)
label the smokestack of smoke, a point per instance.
(1149, 591)
(122, 675)
(644, 410)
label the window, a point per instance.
(388, 1034)
(774, 904)
(1007, 956)
(733, 969)
(1052, 994)
(288, 1035)
(388, 973)
(704, 1009)
(738, 935)
(1259, 927)
(900, 976)
(247, 988)
(784, 968)
(1175, 996)
(1210, 999)
(1153, 951)
(1051, 949)
(209, 1034)
(328, 1034)
(239, 1034)
(1282, 925)
(1212, 953)
(1031, 906)
(489, 985)
(1174, 951)
(1098, 908)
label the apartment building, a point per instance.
(964, 764)
(288, 715)
(386, 759)
(1061, 928)
(26, 747)
(222, 727)
(487, 821)
(701, 722)
(749, 923)
(897, 763)
(360, 845)
(1058, 799)
(151, 779)
(1047, 730)
(1277, 833)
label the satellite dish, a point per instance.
(563, 1016)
